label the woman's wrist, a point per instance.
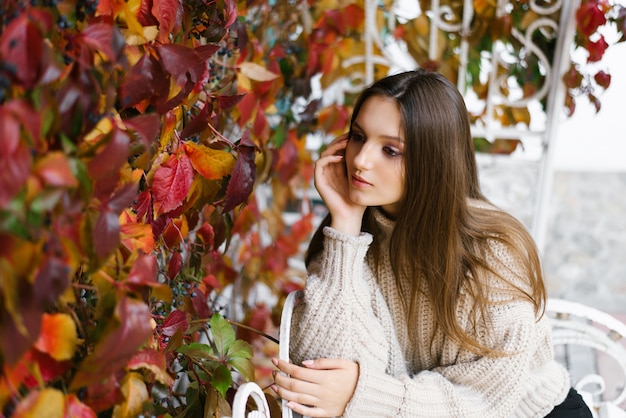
(347, 226)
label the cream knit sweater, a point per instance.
(348, 312)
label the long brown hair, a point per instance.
(441, 243)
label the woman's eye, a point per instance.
(357, 137)
(392, 152)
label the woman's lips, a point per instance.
(359, 181)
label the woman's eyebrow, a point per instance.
(389, 137)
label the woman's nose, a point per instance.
(364, 158)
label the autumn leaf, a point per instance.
(144, 271)
(154, 361)
(105, 38)
(54, 170)
(255, 72)
(171, 183)
(211, 164)
(77, 409)
(112, 156)
(48, 402)
(174, 321)
(244, 174)
(146, 128)
(135, 393)
(125, 333)
(137, 237)
(58, 336)
(169, 14)
(21, 48)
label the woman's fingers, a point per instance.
(337, 144)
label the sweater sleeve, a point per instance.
(338, 316)
(474, 386)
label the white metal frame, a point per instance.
(575, 324)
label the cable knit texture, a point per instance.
(350, 312)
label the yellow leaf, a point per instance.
(149, 35)
(135, 392)
(103, 126)
(256, 72)
(58, 336)
(211, 164)
(49, 403)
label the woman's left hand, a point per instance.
(322, 388)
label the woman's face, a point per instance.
(374, 155)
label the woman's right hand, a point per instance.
(331, 181)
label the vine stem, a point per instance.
(239, 324)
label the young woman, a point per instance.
(422, 299)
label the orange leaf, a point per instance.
(58, 336)
(137, 237)
(211, 164)
(54, 169)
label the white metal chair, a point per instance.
(246, 391)
(577, 325)
(284, 333)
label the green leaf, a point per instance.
(243, 366)
(240, 348)
(223, 334)
(222, 379)
(197, 350)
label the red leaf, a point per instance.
(175, 265)
(354, 16)
(168, 13)
(211, 282)
(227, 102)
(147, 128)
(596, 49)
(242, 179)
(200, 305)
(143, 206)
(153, 360)
(144, 271)
(144, 14)
(288, 161)
(122, 198)
(54, 170)
(247, 107)
(21, 48)
(77, 409)
(589, 17)
(175, 320)
(178, 59)
(104, 37)
(171, 183)
(106, 234)
(231, 12)
(50, 368)
(125, 334)
(105, 394)
(258, 319)
(197, 124)
(111, 157)
(146, 80)
(16, 167)
(603, 79)
(206, 51)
